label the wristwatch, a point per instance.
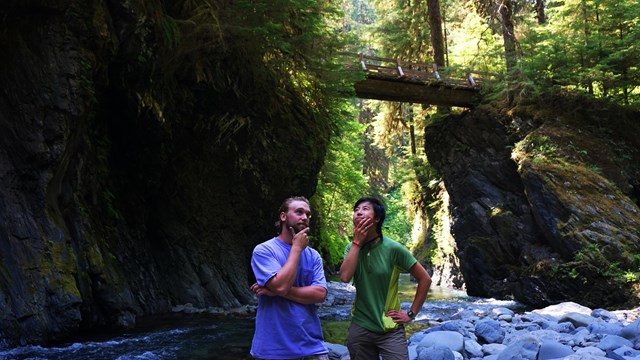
(411, 314)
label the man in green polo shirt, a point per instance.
(375, 263)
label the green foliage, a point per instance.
(472, 41)
(439, 244)
(249, 59)
(590, 262)
(630, 277)
(340, 183)
(538, 147)
(588, 44)
(403, 32)
(397, 225)
(170, 31)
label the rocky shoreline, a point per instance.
(567, 331)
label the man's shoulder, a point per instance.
(313, 252)
(396, 246)
(267, 244)
(391, 243)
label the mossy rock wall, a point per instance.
(544, 199)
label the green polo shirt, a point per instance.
(376, 282)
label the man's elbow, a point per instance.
(322, 296)
(280, 290)
(345, 273)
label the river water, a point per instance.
(199, 338)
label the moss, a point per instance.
(335, 332)
(573, 133)
(58, 266)
(601, 218)
(438, 246)
(414, 327)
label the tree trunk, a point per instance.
(585, 43)
(540, 15)
(435, 26)
(509, 37)
(412, 132)
(437, 38)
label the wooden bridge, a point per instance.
(396, 80)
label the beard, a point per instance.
(297, 227)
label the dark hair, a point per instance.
(379, 210)
(285, 207)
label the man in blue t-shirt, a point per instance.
(289, 283)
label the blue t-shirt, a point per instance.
(286, 329)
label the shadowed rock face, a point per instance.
(531, 218)
(108, 213)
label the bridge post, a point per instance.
(400, 72)
(435, 71)
(472, 82)
(362, 63)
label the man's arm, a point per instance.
(313, 290)
(282, 282)
(424, 283)
(348, 267)
(311, 294)
(307, 294)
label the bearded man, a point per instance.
(290, 281)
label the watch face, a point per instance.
(411, 314)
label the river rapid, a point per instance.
(198, 337)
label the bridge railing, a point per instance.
(412, 71)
